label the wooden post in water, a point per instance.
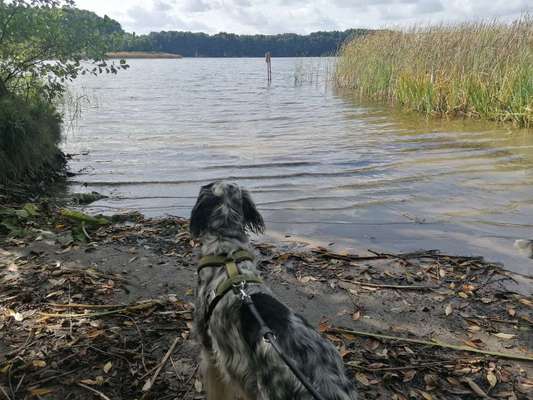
(268, 60)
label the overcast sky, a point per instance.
(298, 16)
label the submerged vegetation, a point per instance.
(477, 69)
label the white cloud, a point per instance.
(299, 16)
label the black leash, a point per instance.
(269, 337)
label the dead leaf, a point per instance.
(526, 302)
(148, 385)
(511, 311)
(41, 391)
(475, 388)
(371, 344)
(344, 352)
(462, 295)
(307, 279)
(16, 315)
(409, 375)
(376, 365)
(356, 316)
(505, 336)
(107, 367)
(39, 363)
(491, 378)
(448, 310)
(323, 326)
(476, 343)
(425, 395)
(362, 379)
(198, 385)
(99, 380)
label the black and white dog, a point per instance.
(236, 362)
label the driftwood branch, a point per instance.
(385, 286)
(431, 343)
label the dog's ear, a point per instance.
(202, 210)
(252, 219)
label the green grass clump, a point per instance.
(475, 69)
(30, 130)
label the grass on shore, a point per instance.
(476, 69)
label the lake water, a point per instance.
(320, 164)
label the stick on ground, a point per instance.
(150, 382)
(428, 343)
(103, 396)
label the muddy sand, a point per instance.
(104, 312)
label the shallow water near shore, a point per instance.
(319, 163)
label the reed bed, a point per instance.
(475, 69)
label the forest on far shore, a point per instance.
(190, 44)
(199, 44)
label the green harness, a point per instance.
(235, 277)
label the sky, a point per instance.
(296, 16)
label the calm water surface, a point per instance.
(319, 164)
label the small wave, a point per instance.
(264, 165)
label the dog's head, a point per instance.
(224, 208)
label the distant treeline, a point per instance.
(190, 44)
(222, 44)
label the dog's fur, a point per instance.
(236, 361)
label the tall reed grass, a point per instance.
(475, 69)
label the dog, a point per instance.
(236, 361)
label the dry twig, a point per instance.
(428, 343)
(103, 396)
(150, 382)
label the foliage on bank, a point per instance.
(29, 134)
(480, 70)
(32, 33)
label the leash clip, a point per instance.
(240, 289)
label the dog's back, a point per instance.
(238, 360)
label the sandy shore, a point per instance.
(95, 310)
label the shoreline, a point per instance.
(142, 54)
(145, 269)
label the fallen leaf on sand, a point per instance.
(475, 388)
(505, 336)
(107, 367)
(197, 385)
(491, 378)
(307, 279)
(362, 379)
(41, 391)
(425, 395)
(39, 363)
